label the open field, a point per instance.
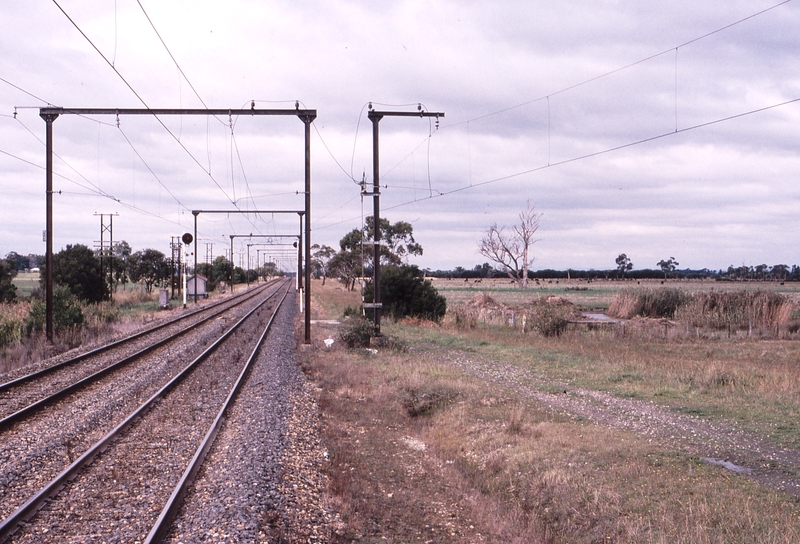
(26, 282)
(488, 434)
(593, 294)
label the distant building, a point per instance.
(201, 286)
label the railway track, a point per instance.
(29, 393)
(112, 459)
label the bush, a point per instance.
(404, 293)
(425, 402)
(549, 320)
(67, 312)
(356, 332)
(8, 291)
(78, 269)
(12, 323)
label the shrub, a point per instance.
(12, 323)
(8, 291)
(404, 293)
(548, 320)
(356, 332)
(78, 269)
(67, 312)
(425, 402)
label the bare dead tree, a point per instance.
(511, 250)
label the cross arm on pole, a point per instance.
(303, 114)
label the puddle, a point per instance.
(599, 317)
(726, 464)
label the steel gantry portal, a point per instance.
(50, 114)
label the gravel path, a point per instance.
(719, 443)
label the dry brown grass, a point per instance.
(128, 311)
(423, 452)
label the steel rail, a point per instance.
(39, 373)
(34, 407)
(170, 510)
(9, 525)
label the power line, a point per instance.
(170, 54)
(87, 180)
(576, 158)
(608, 150)
(620, 69)
(208, 172)
(90, 191)
(24, 91)
(113, 67)
(325, 145)
(151, 170)
(94, 190)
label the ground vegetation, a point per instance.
(8, 291)
(405, 293)
(489, 433)
(77, 268)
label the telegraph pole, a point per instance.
(376, 116)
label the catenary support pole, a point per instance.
(375, 117)
(195, 258)
(48, 119)
(307, 120)
(49, 114)
(376, 221)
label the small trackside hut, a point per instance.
(201, 286)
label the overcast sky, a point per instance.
(630, 125)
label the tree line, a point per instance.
(92, 278)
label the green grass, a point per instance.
(26, 282)
(752, 383)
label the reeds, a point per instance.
(12, 322)
(655, 303)
(715, 310)
(546, 316)
(737, 310)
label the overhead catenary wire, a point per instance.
(139, 97)
(17, 87)
(577, 158)
(621, 68)
(90, 191)
(87, 180)
(676, 130)
(93, 189)
(610, 149)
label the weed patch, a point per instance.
(426, 402)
